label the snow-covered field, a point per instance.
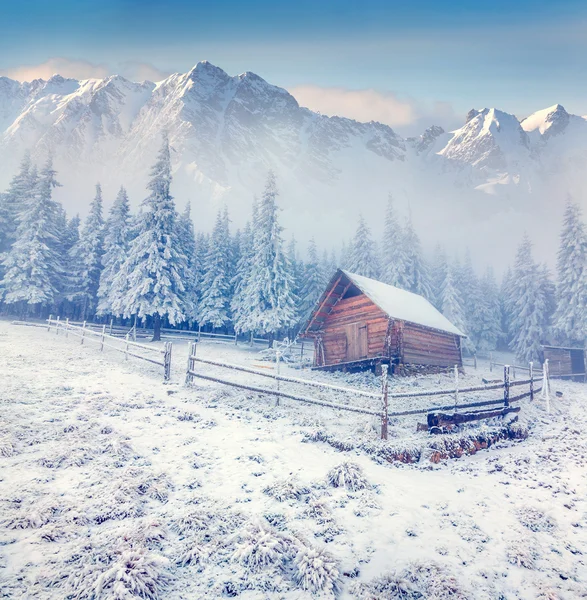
(115, 486)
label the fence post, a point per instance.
(67, 327)
(191, 362)
(302, 352)
(384, 398)
(57, 326)
(475, 360)
(491, 362)
(514, 372)
(531, 381)
(111, 325)
(199, 332)
(277, 370)
(546, 385)
(102, 338)
(49, 322)
(456, 386)
(167, 361)
(83, 333)
(506, 386)
(126, 347)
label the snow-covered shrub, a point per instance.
(415, 582)
(260, 546)
(130, 573)
(522, 554)
(287, 489)
(348, 475)
(146, 533)
(191, 521)
(535, 520)
(192, 552)
(31, 516)
(319, 509)
(315, 570)
(7, 447)
(118, 447)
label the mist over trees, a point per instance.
(157, 267)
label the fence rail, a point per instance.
(384, 396)
(87, 333)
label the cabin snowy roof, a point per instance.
(399, 304)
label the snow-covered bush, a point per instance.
(7, 447)
(315, 570)
(319, 509)
(191, 521)
(415, 582)
(31, 516)
(130, 573)
(287, 489)
(260, 546)
(192, 552)
(522, 554)
(348, 475)
(535, 520)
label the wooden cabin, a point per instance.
(360, 322)
(565, 362)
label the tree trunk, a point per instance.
(156, 328)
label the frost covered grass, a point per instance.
(112, 488)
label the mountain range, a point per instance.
(480, 185)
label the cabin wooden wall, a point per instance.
(338, 331)
(422, 346)
(559, 361)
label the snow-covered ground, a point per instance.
(114, 485)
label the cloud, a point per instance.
(67, 67)
(83, 69)
(141, 71)
(372, 105)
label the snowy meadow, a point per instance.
(114, 485)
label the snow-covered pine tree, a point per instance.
(418, 277)
(452, 303)
(297, 270)
(202, 243)
(506, 305)
(72, 230)
(214, 307)
(570, 319)
(239, 302)
(363, 255)
(488, 329)
(268, 300)
(12, 203)
(468, 285)
(86, 258)
(34, 265)
(394, 267)
(438, 269)
(116, 245)
(529, 303)
(156, 266)
(187, 238)
(328, 266)
(313, 283)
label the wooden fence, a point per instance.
(129, 348)
(383, 397)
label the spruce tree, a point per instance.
(439, 268)
(150, 282)
(34, 264)
(13, 202)
(214, 308)
(570, 319)
(116, 244)
(187, 240)
(86, 257)
(488, 330)
(363, 255)
(530, 303)
(313, 284)
(452, 303)
(239, 302)
(269, 302)
(394, 261)
(468, 285)
(418, 278)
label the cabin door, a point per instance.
(357, 343)
(577, 361)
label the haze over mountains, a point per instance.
(481, 185)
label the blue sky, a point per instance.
(439, 59)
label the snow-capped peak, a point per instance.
(549, 121)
